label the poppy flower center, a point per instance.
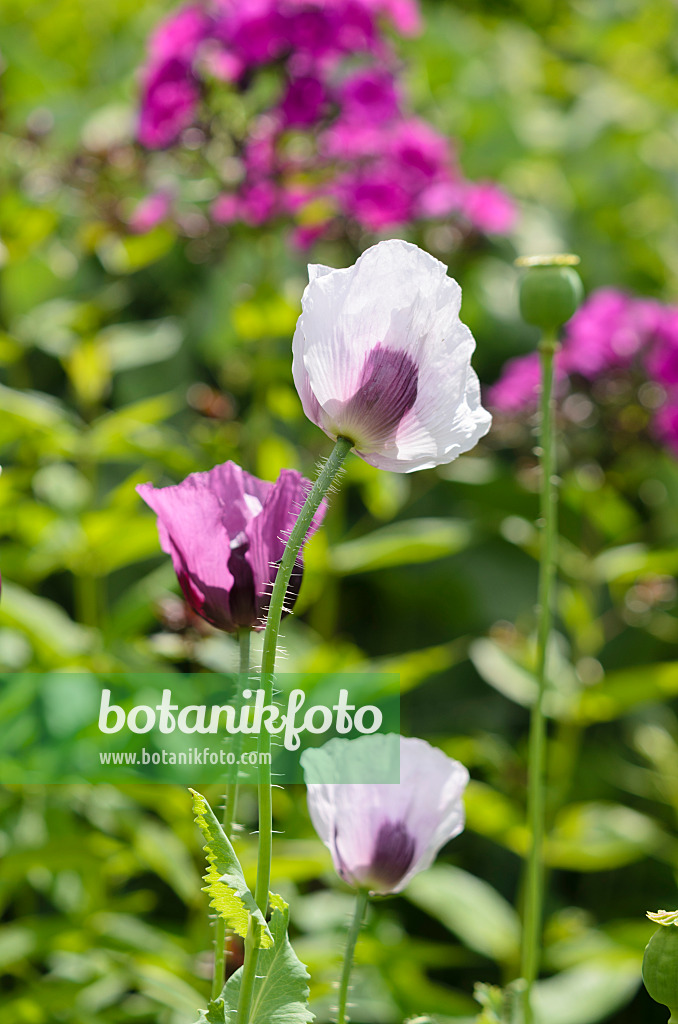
(393, 854)
(387, 391)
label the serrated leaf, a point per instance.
(214, 1014)
(226, 885)
(281, 991)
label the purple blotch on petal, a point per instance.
(393, 854)
(388, 390)
(242, 597)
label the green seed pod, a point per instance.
(660, 968)
(550, 290)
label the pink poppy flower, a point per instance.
(226, 532)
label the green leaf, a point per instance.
(599, 835)
(127, 255)
(520, 685)
(625, 563)
(415, 667)
(587, 993)
(503, 673)
(469, 907)
(280, 991)
(214, 1014)
(139, 344)
(226, 885)
(626, 689)
(410, 542)
(36, 415)
(53, 633)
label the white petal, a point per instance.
(427, 801)
(438, 817)
(395, 296)
(347, 312)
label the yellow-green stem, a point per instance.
(351, 940)
(322, 485)
(534, 882)
(230, 804)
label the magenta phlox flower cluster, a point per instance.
(338, 143)
(611, 333)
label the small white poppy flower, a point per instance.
(382, 834)
(381, 357)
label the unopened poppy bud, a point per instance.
(660, 962)
(550, 290)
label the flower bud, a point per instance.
(550, 290)
(660, 964)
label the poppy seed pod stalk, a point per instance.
(549, 295)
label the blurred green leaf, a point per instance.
(598, 836)
(409, 542)
(626, 689)
(52, 632)
(126, 255)
(518, 684)
(588, 993)
(470, 908)
(140, 344)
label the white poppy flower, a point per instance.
(382, 834)
(381, 357)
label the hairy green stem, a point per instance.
(323, 483)
(534, 888)
(351, 940)
(230, 804)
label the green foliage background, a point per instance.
(103, 337)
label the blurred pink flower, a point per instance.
(179, 35)
(380, 166)
(612, 333)
(304, 102)
(374, 197)
(662, 357)
(488, 208)
(258, 202)
(369, 94)
(518, 387)
(666, 424)
(403, 13)
(170, 99)
(150, 211)
(225, 208)
(608, 330)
